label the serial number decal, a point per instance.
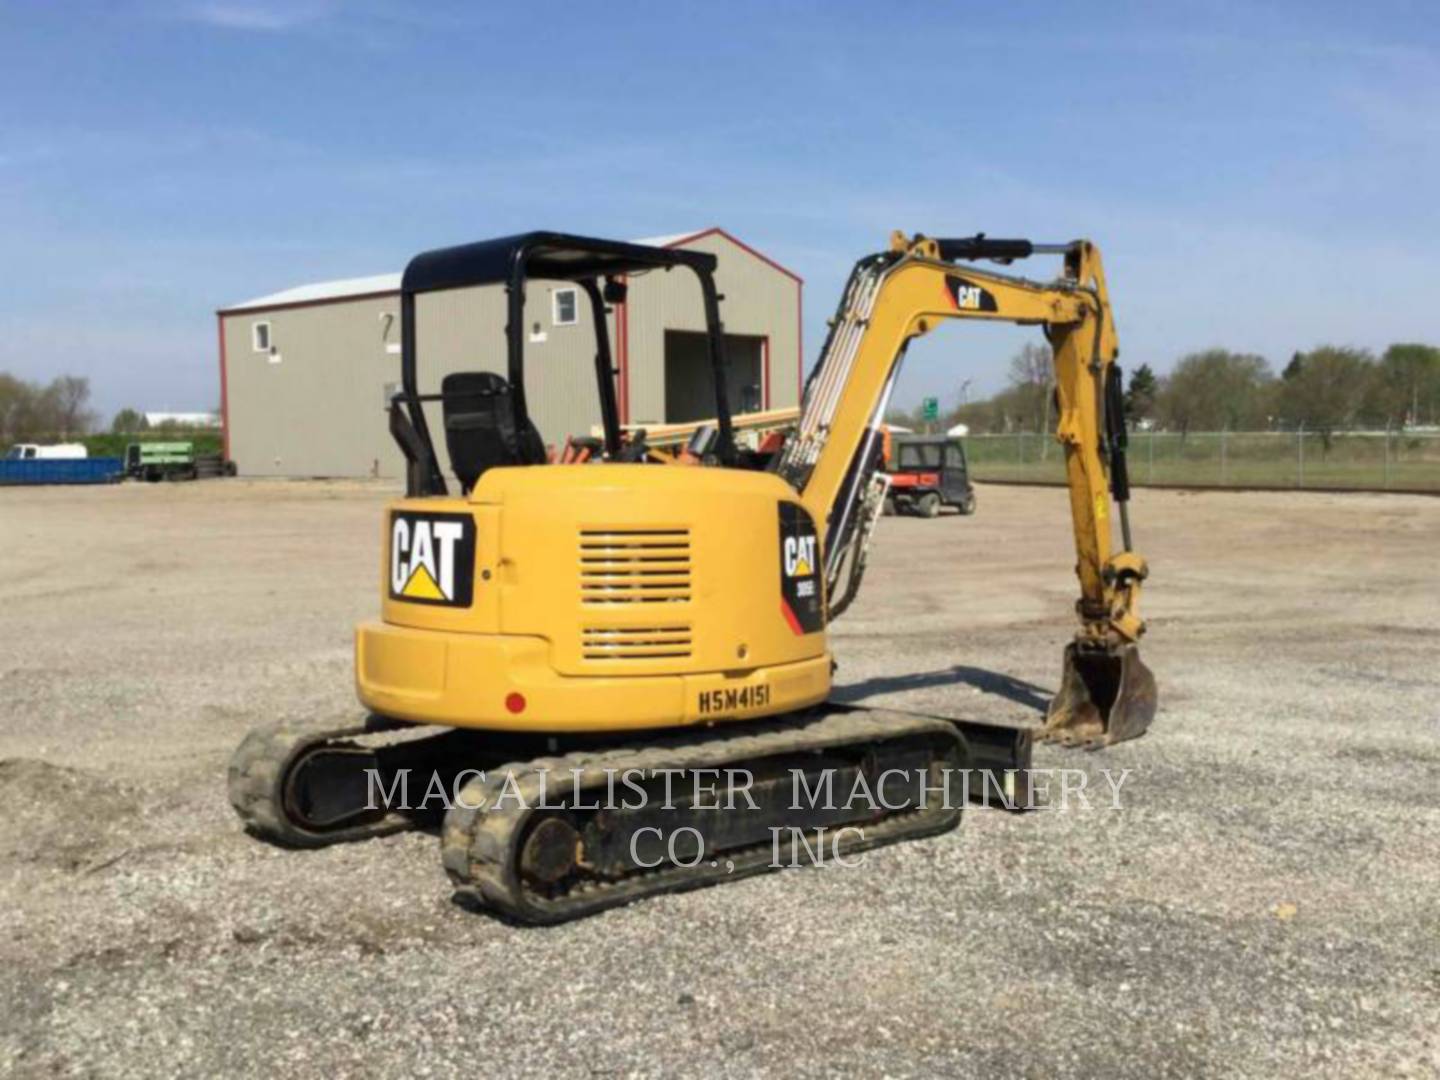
(734, 699)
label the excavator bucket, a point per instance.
(1106, 696)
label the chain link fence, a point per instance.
(1372, 460)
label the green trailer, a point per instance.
(154, 461)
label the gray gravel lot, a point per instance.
(1266, 901)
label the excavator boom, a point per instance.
(894, 297)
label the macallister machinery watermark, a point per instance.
(846, 798)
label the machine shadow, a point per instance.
(1018, 691)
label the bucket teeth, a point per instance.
(1106, 696)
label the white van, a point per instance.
(34, 451)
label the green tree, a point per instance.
(67, 398)
(27, 411)
(128, 421)
(31, 413)
(15, 397)
(979, 416)
(1408, 384)
(1141, 393)
(1327, 389)
(1215, 390)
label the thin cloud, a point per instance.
(256, 16)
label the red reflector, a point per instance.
(515, 702)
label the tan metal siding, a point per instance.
(320, 410)
(464, 330)
(760, 300)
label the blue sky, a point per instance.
(1259, 175)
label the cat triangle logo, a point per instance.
(421, 586)
(432, 558)
(799, 556)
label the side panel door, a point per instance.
(954, 485)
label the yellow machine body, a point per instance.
(646, 590)
(608, 596)
(601, 597)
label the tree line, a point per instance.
(1328, 389)
(59, 411)
(31, 411)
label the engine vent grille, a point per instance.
(636, 643)
(634, 566)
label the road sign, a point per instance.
(930, 408)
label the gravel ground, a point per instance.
(1264, 903)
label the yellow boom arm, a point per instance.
(893, 298)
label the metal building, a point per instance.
(306, 374)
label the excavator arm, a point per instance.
(891, 299)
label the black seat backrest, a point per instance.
(480, 426)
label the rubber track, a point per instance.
(256, 782)
(480, 840)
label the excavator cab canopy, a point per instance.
(487, 421)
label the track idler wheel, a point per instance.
(1106, 696)
(304, 788)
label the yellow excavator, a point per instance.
(570, 655)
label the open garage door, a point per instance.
(688, 393)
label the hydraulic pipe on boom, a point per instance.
(1107, 694)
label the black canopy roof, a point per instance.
(552, 255)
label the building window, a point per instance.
(260, 336)
(565, 307)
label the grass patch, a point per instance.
(1250, 459)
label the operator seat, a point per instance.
(480, 430)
